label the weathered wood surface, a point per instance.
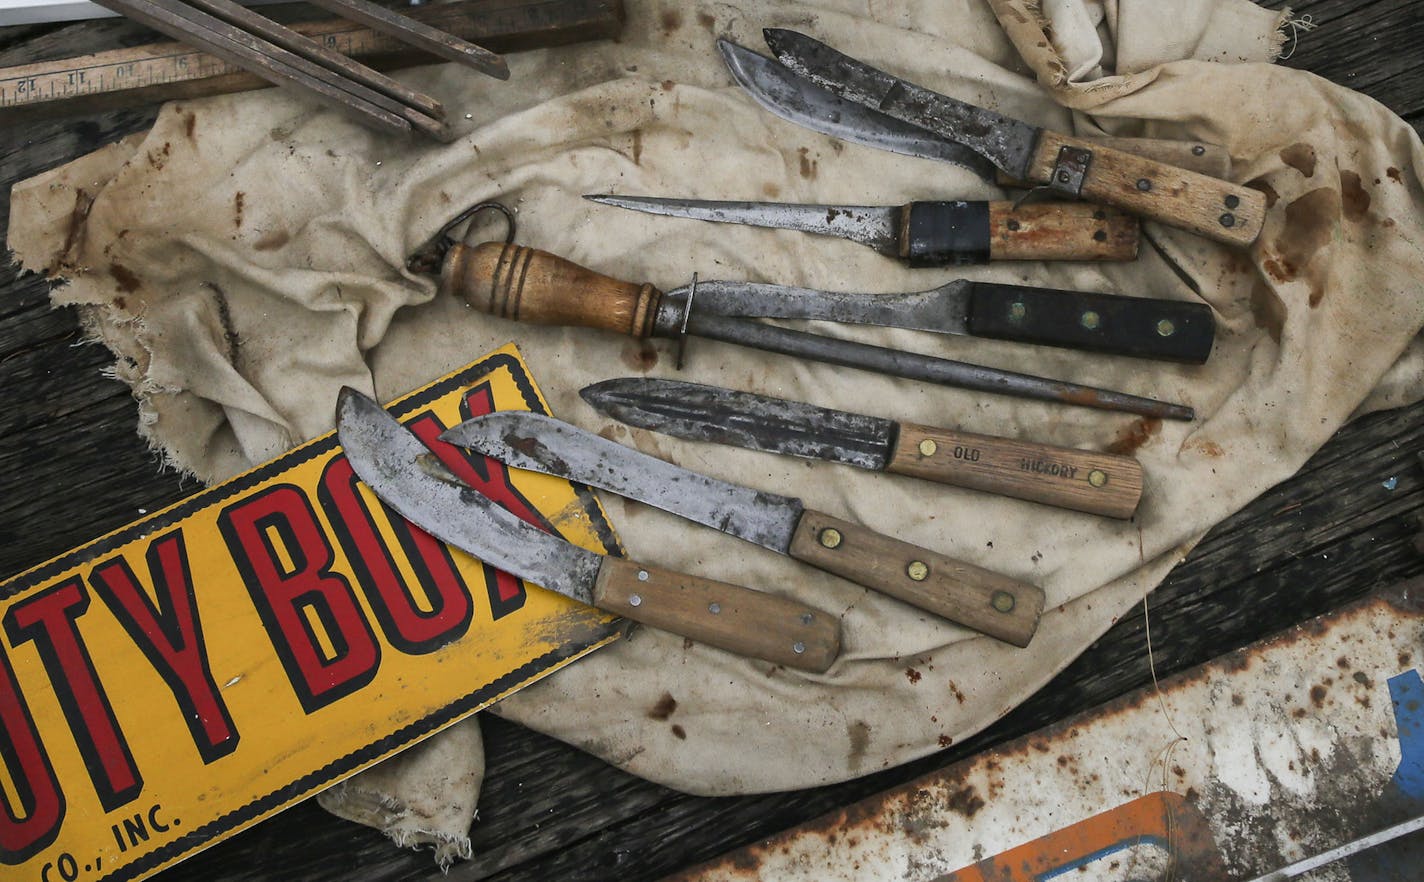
(73, 467)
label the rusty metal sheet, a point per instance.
(1262, 757)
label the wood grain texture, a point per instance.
(529, 285)
(1081, 480)
(1209, 206)
(988, 602)
(1061, 231)
(730, 617)
(1207, 159)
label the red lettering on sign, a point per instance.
(33, 824)
(285, 561)
(170, 635)
(49, 620)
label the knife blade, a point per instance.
(1097, 483)
(393, 463)
(525, 284)
(989, 602)
(1211, 207)
(926, 234)
(1142, 327)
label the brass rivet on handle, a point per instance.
(830, 537)
(1097, 477)
(1165, 328)
(928, 447)
(1002, 601)
(918, 570)
(1090, 320)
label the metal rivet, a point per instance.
(1012, 225)
(1232, 201)
(1198, 150)
(918, 570)
(1100, 236)
(798, 647)
(928, 447)
(1003, 601)
(1090, 320)
(1144, 185)
(1228, 220)
(807, 618)
(1165, 328)
(714, 608)
(1063, 177)
(635, 600)
(642, 575)
(1017, 311)
(1097, 477)
(830, 537)
(1100, 215)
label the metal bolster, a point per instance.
(1069, 170)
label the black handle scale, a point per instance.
(944, 233)
(1168, 330)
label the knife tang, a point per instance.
(1168, 330)
(730, 617)
(1082, 480)
(1211, 207)
(952, 233)
(989, 602)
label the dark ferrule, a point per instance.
(944, 233)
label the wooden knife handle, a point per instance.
(1209, 206)
(1142, 327)
(1061, 231)
(986, 601)
(1206, 159)
(1097, 483)
(730, 617)
(529, 285)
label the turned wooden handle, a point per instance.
(1061, 231)
(529, 285)
(1209, 206)
(1097, 483)
(730, 617)
(977, 598)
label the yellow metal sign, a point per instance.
(184, 677)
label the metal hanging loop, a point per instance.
(428, 258)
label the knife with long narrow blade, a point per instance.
(926, 234)
(1211, 207)
(1097, 483)
(986, 601)
(525, 284)
(392, 462)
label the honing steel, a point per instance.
(986, 601)
(396, 465)
(1097, 483)
(1068, 166)
(799, 101)
(525, 284)
(924, 234)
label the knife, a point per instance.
(799, 101)
(1096, 483)
(986, 601)
(524, 284)
(924, 234)
(1068, 166)
(396, 465)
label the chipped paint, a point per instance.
(1276, 752)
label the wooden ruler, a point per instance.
(166, 71)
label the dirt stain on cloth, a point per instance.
(1300, 157)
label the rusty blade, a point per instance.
(419, 35)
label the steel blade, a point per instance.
(799, 101)
(1006, 142)
(742, 419)
(871, 225)
(388, 458)
(542, 444)
(942, 310)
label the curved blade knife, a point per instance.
(929, 233)
(1211, 207)
(989, 602)
(391, 461)
(1082, 480)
